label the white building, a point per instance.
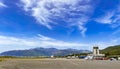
(118, 58)
(96, 54)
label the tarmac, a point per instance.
(59, 64)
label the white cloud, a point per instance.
(2, 4)
(105, 44)
(106, 19)
(110, 17)
(71, 12)
(39, 41)
(116, 32)
(14, 43)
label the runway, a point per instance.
(58, 64)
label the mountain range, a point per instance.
(43, 52)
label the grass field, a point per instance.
(2, 59)
(58, 64)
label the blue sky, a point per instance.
(77, 24)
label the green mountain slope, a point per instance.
(112, 50)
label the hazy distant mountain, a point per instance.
(43, 52)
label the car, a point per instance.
(112, 59)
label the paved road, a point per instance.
(59, 64)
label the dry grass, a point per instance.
(1, 59)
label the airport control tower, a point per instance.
(96, 50)
(96, 54)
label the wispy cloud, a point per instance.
(110, 17)
(2, 4)
(38, 41)
(116, 33)
(53, 12)
(106, 19)
(11, 43)
(105, 44)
